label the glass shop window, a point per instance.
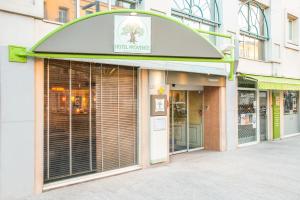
(60, 11)
(291, 102)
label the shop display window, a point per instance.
(290, 102)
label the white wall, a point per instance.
(17, 127)
(22, 30)
(17, 99)
(32, 8)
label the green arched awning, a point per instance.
(96, 36)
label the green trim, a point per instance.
(274, 83)
(121, 11)
(226, 59)
(16, 54)
(214, 33)
(276, 114)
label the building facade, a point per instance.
(90, 90)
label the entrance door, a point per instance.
(178, 112)
(186, 132)
(247, 116)
(263, 105)
(195, 119)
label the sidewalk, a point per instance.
(267, 171)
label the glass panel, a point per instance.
(263, 117)
(178, 137)
(259, 49)
(204, 9)
(59, 118)
(252, 19)
(247, 116)
(88, 130)
(195, 119)
(290, 30)
(242, 46)
(80, 73)
(290, 102)
(243, 18)
(92, 6)
(291, 115)
(60, 11)
(249, 47)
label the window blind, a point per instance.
(90, 118)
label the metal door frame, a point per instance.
(187, 124)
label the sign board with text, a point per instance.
(132, 34)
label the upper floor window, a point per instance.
(60, 11)
(292, 29)
(200, 14)
(66, 10)
(254, 30)
(63, 15)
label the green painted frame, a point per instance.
(226, 58)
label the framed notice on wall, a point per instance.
(158, 105)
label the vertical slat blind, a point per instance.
(90, 118)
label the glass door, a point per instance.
(247, 116)
(195, 109)
(178, 123)
(186, 129)
(263, 115)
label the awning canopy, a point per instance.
(274, 83)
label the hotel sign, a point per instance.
(132, 34)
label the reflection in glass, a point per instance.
(247, 116)
(290, 102)
(178, 111)
(263, 118)
(195, 119)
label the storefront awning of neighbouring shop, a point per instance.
(274, 83)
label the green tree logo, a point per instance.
(133, 30)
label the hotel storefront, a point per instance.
(124, 97)
(268, 108)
